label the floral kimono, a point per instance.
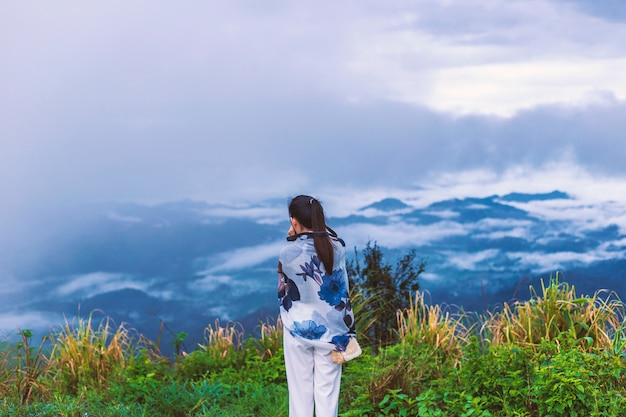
(314, 303)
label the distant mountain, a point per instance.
(387, 204)
(470, 210)
(525, 198)
(179, 266)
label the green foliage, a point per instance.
(386, 290)
(225, 353)
(381, 384)
(440, 365)
(500, 376)
(577, 383)
(250, 399)
(179, 338)
(140, 379)
(70, 406)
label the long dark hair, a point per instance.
(308, 211)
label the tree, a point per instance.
(381, 291)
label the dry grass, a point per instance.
(30, 366)
(593, 321)
(430, 339)
(220, 340)
(431, 325)
(85, 355)
(6, 373)
(271, 340)
(22, 367)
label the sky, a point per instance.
(153, 101)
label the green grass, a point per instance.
(553, 355)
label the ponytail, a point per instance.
(310, 213)
(323, 246)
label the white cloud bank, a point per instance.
(246, 257)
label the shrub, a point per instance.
(140, 377)
(384, 290)
(501, 376)
(393, 378)
(577, 383)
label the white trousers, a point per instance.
(313, 379)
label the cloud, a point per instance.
(229, 102)
(470, 261)
(431, 277)
(241, 258)
(579, 215)
(238, 286)
(614, 10)
(210, 282)
(498, 229)
(400, 235)
(33, 320)
(558, 260)
(10, 285)
(497, 57)
(124, 219)
(95, 283)
(262, 214)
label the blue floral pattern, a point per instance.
(314, 303)
(341, 342)
(287, 289)
(334, 288)
(308, 329)
(312, 269)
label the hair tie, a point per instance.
(311, 201)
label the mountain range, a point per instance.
(177, 267)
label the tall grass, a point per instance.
(431, 325)
(5, 373)
(364, 317)
(270, 341)
(445, 362)
(430, 342)
(85, 354)
(220, 340)
(514, 361)
(22, 366)
(31, 365)
(593, 322)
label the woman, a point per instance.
(314, 308)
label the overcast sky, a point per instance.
(224, 101)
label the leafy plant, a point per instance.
(29, 367)
(140, 377)
(576, 383)
(501, 376)
(384, 290)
